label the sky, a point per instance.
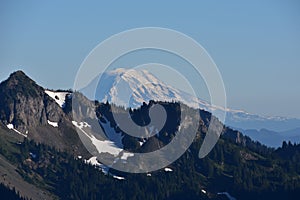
(255, 44)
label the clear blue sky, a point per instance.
(255, 44)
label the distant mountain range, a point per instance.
(273, 138)
(130, 88)
(42, 155)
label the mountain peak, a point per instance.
(18, 76)
(18, 73)
(133, 87)
(19, 82)
(25, 105)
(123, 72)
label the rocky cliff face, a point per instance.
(31, 112)
(25, 104)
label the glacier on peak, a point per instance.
(133, 87)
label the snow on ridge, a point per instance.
(59, 97)
(93, 161)
(54, 124)
(11, 127)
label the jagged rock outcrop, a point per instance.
(28, 108)
(25, 104)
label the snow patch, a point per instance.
(11, 127)
(118, 177)
(54, 124)
(93, 161)
(168, 169)
(59, 97)
(81, 125)
(141, 143)
(126, 155)
(105, 146)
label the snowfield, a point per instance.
(105, 146)
(59, 97)
(54, 124)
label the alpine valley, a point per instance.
(42, 155)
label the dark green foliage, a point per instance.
(70, 178)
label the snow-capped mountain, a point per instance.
(130, 88)
(84, 131)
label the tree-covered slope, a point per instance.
(244, 169)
